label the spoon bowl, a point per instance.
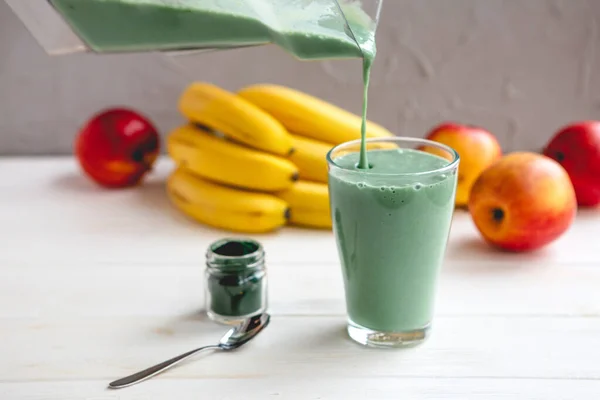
(232, 339)
(244, 332)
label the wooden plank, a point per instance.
(63, 349)
(48, 206)
(160, 290)
(317, 387)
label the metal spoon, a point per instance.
(233, 339)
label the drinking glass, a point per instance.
(391, 224)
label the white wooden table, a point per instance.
(97, 284)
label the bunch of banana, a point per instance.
(255, 160)
(225, 207)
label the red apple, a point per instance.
(523, 202)
(477, 149)
(117, 147)
(577, 148)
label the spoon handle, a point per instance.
(155, 370)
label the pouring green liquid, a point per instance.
(363, 162)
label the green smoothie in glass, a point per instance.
(391, 222)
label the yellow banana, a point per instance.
(224, 207)
(309, 116)
(236, 117)
(310, 157)
(225, 161)
(309, 204)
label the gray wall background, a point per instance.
(521, 68)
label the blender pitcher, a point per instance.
(307, 29)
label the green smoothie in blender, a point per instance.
(316, 29)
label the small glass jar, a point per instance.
(236, 280)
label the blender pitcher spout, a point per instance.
(360, 16)
(315, 29)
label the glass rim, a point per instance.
(450, 166)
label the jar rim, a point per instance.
(236, 249)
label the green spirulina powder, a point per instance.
(236, 280)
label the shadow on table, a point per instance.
(589, 213)
(474, 255)
(149, 196)
(329, 337)
(152, 189)
(191, 324)
(320, 342)
(77, 183)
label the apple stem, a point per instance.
(498, 214)
(138, 155)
